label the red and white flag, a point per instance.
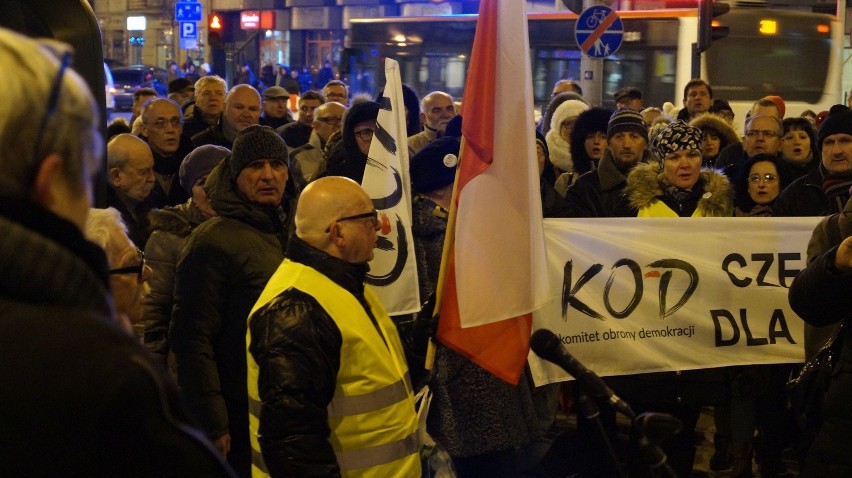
(393, 270)
(496, 272)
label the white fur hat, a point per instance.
(567, 109)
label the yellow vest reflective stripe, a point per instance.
(372, 418)
(658, 208)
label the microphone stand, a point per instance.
(592, 413)
(652, 432)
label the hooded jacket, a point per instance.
(220, 273)
(592, 121)
(560, 149)
(646, 188)
(345, 159)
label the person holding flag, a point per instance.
(493, 273)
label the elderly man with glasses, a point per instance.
(328, 384)
(309, 161)
(162, 129)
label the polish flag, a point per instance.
(495, 267)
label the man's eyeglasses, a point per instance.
(365, 134)
(138, 269)
(373, 215)
(761, 132)
(162, 122)
(330, 120)
(756, 178)
(50, 112)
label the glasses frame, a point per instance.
(50, 112)
(374, 215)
(360, 134)
(137, 269)
(758, 178)
(172, 121)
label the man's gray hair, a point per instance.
(206, 81)
(429, 96)
(71, 129)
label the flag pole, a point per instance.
(449, 239)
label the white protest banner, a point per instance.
(636, 295)
(393, 270)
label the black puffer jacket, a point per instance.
(805, 197)
(220, 274)
(170, 227)
(821, 295)
(296, 345)
(600, 193)
(79, 396)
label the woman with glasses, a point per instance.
(757, 186)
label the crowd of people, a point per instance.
(235, 249)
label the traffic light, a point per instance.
(214, 30)
(709, 29)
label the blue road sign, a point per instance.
(599, 31)
(189, 30)
(188, 11)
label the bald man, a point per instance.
(242, 109)
(328, 381)
(130, 172)
(437, 109)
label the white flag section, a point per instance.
(393, 270)
(661, 294)
(500, 259)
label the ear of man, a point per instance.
(52, 190)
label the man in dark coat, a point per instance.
(130, 172)
(297, 133)
(600, 193)
(80, 397)
(209, 103)
(162, 128)
(220, 273)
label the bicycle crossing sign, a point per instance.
(599, 31)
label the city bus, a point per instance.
(793, 54)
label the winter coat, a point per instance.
(194, 123)
(166, 170)
(420, 140)
(220, 273)
(80, 397)
(646, 187)
(473, 412)
(821, 295)
(600, 193)
(134, 215)
(295, 134)
(308, 162)
(805, 197)
(214, 135)
(170, 227)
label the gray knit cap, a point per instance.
(675, 137)
(254, 143)
(199, 163)
(625, 119)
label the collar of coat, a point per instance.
(647, 182)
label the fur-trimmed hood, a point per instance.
(717, 123)
(560, 151)
(179, 220)
(646, 183)
(592, 121)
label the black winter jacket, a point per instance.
(822, 295)
(296, 345)
(220, 274)
(79, 396)
(600, 193)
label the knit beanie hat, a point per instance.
(254, 143)
(625, 119)
(676, 137)
(434, 166)
(200, 162)
(568, 109)
(838, 121)
(779, 102)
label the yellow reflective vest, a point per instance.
(658, 208)
(371, 416)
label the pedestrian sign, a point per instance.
(599, 31)
(188, 11)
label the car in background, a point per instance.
(129, 79)
(109, 89)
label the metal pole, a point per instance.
(591, 71)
